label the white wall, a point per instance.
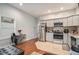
(58, 15)
(23, 21)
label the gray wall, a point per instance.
(22, 21)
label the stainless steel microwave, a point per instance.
(58, 24)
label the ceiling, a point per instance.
(39, 9)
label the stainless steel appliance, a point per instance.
(58, 35)
(58, 24)
(43, 32)
(58, 30)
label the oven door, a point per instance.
(58, 36)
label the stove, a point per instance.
(58, 35)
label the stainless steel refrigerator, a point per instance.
(42, 32)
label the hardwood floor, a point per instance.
(29, 46)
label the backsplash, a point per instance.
(71, 28)
(49, 29)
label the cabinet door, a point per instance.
(56, 20)
(43, 21)
(65, 22)
(70, 21)
(50, 23)
(49, 37)
(75, 20)
(60, 20)
(65, 38)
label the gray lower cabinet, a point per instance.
(49, 37)
(67, 40)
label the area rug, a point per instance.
(51, 48)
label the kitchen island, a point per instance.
(74, 44)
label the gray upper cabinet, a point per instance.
(65, 23)
(75, 20)
(60, 20)
(50, 23)
(43, 22)
(55, 20)
(70, 21)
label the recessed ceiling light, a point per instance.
(49, 11)
(21, 4)
(61, 8)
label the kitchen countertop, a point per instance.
(75, 35)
